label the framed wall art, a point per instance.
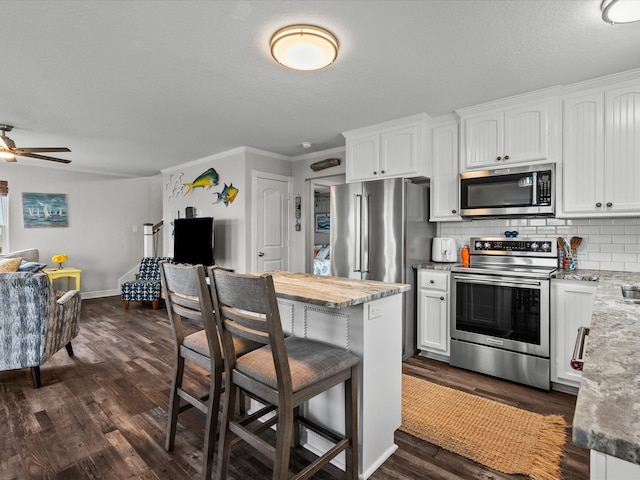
(43, 210)
(323, 223)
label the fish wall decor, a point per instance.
(206, 179)
(227, 196)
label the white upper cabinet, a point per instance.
(601, 152)
(445, 201)
(514, 131)
(388, 150)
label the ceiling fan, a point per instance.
(9, 151)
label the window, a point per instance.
(4, 221)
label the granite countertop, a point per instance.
(334, 292)
(607, 414)
(435, 266)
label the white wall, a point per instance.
(608, 243)
(103, 210)
(232, 223)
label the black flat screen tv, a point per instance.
(193, 241)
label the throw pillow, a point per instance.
(33, 267)
(10, 264)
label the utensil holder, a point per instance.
(563, 260)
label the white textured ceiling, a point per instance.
(134, 87)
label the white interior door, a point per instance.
(271, 222)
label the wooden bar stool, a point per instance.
(283, 374)
(187, 295)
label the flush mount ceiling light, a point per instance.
(620, 11)
(304, 47)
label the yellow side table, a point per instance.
(70, 273)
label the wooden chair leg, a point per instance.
(283, 442)
(351, 423)
(69, 349)
(224, 444)
(174, 403)
(35, 373)
(155, 304)
(211, 425)
(126, 304)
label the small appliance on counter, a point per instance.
(444, 250)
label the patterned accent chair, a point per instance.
(33, 324)
(146, 287)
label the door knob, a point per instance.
(261, 254)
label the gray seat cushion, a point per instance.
(309, 361)
(198, 343)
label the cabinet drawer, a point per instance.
(433, 280)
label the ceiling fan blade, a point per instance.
(40, 149)
(43, 157)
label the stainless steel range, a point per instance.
(500, 319)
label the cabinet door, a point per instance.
(363, 158)
(622, 130)
(399, 152)
(433, 325)
(526, 133)
(571, 307)
(483, 141)
(583, 152)
(444, 183)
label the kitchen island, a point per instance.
(607, 414)
(364, 317)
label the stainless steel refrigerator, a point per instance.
(379, 229)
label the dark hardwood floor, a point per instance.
(102, 413)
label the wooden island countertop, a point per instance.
(333, 292)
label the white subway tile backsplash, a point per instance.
(601, 221)
(586, 230)
(600, 257)
(617, 266)
(612, 247)
(610, 244)
(624, 257)
(599, 238)
(624, 238)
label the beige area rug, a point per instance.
(502, 437)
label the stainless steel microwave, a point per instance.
(523, 191)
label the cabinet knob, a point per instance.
(609, 204)
(382, 171)
(261, 254)
(430, 281)
(506, 157)
(441, 298)
(375, 173)
(454, 211)
(498, 159)
(598, 204)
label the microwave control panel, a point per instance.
(544, 188)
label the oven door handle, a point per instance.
(497, 281)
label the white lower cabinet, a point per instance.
(433, 313)
(606, 467)
(572, 304)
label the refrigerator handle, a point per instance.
(357, 242)
(364, 226)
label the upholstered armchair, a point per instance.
(33, 324)
(145, 288)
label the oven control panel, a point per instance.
(508, 246)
